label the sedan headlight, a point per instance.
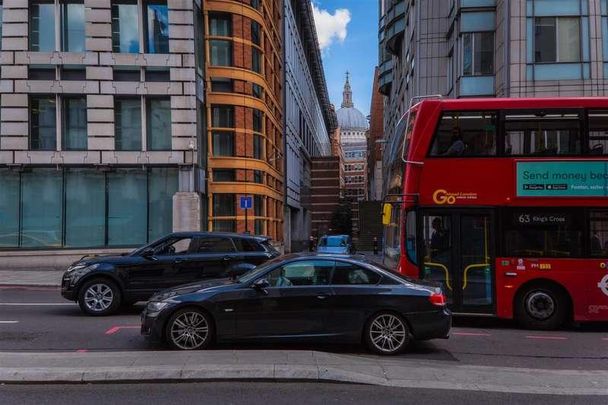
(156, 306)
(75, 273)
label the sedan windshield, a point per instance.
(333, 241)
(253, 274)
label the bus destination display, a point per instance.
(562, 179)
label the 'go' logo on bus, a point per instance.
(443, 197)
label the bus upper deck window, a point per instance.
(470, 133)
(598, 132)
(542, 133)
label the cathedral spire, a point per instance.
(347, 94)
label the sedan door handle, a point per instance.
(227, 258)
(178, 261)
(322, 296)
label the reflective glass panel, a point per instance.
(42, 26)
(75, 123)
(163, 183)
(41, 208)
(125, 27)
(127, 115)
(72, 27)
(127, 207)
(159, 124)
(43, 123)
(9, 208)
(157, 28)
(85, 208)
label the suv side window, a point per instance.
(350, 274)
(247, 245)
(173, 247)
(304, 273)
(214, 244)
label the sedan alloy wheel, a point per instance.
(387, 333)
(189, 329)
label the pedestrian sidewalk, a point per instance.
(286, 365)
(40, 278)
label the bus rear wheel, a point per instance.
(541, 307)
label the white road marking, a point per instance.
(34, 304)
(8, 322)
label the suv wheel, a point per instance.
(99, 297)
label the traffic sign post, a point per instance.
(246, 204)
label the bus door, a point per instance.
(458, 252)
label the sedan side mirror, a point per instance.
(261, 285)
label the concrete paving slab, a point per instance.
(232, 365)
(39, 278)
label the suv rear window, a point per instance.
(248, 245)
(269, 248)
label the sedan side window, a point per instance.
(309, 272)
(215, 245)
(173, 247)
(351, 274)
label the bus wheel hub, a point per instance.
(540, 305)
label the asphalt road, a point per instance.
(263, 393)
(38, 319)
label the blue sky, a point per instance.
(348, 35)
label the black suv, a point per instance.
(101, 284)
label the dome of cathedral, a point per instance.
(349, 118)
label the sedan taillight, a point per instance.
(437, 299)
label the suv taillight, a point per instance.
(437, 299)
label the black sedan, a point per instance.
(302, 297)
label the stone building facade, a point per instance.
(488, 48)
(97, 122)
(122, 120)
(309, 119)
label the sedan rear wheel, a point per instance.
(387, 333)
(189, 329)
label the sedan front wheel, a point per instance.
(189, 329)
(387, 333)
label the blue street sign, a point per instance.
(246, 202)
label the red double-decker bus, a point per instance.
(504, 202)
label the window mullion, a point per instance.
(144, 124)
(473, 51)
(143, 28)
(57, 25)
(58, 122)
(557, 55)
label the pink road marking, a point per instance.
(81, 351)
(470, 334)
(547, 337)
(115, 329)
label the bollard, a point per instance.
(375, 246)
(311, 244)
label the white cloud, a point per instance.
(330, 27)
